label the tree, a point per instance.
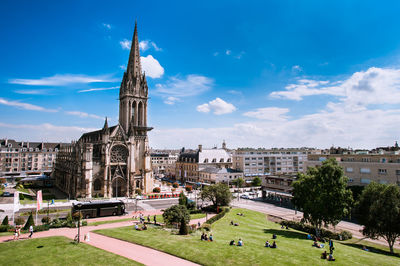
(379, 212)
(188, 188)
(156, 190)
(256, 182)
(322, 195)
(5, 220)
(239, 182)
(175, 185)
(177, 214)
(183, 200)
(138, 191)
(29, 222)
(218, 194)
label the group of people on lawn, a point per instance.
(205, 237)
(324, 254)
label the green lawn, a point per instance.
(293, 247)
(56, 251)
(158, 217)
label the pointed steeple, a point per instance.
(105, 127)
(134, 68)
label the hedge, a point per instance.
(342, 235)
(43, 227)
(218, 216)
(195, 211)
(5, 228)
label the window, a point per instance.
(321, 159)
(349, 169)
(397, 172)
(365, 170)
(382, 171)
(365, 180)
(247, 158)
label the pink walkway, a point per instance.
(147, 256)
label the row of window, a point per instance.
(29, 149)
(365, 170)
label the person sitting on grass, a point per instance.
(267, 244)
(136, 227)
(287, 227)
(232, 243)
(282, 226)
(365, 248)
(309, 236)
(324, 255)
(331, 258)
(236, 224)
(202, 236)
(273, 245)
(240, 242)
(205, 237)
(273, 236)
(144, 227)
(315, 244)
(231, 222)
(211, 237)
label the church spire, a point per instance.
(134, 68)
(105, 127)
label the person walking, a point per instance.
(155, 219)
(30, 231)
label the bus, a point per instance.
(93, 209)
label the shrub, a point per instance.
(138, 191)
(183, 228)
(218, 216)
(5, 220)
(29, 222)
(19, 221)
(4, 228)
(188, 188)
(46, 220)
(21, 196)
(43, 227)
(343, 235)
(156, 190)
(206, 227)
(195, 211)
(175, 185)
(84, 223)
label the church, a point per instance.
(113, 161)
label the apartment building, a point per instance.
(364, 167)
(213, 175)
(163, 163)
(21, 157)
(190, 162)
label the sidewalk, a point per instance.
(145, 255)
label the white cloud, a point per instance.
(83, 115)
(33, 92)
(123, 67)
(99, 89)
(217, 106)
(152, 67)
(269, 113)
(178, 88)
(228, 52)
(107, 26)
(373, 86)
(215, 54)
(171, 100)
(62, 80)
(203, 108)
(26, 106)
(125, 44)
(147, 44)
(239, 55)
(43, 132)
(297, 68)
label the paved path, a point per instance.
(145, 255)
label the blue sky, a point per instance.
(255, 73)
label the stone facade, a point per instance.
(113, 161)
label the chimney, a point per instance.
(200, 148)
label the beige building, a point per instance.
(190, 162)
(163, 163)
(213, 175)
(20, 158)
(364, 167)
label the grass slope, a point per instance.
(254, 230)
(56, 251)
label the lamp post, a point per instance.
(79, 222)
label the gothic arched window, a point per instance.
(140, 114)
(119, 154)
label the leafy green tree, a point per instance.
(379, 212)
(183, 200)
(183, 228)
(239, 182)
(256, 182)
(176, 214)
(29, 222)
(218, 194)
(322, 195)
(5, 220)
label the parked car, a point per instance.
(245, 196)
(7, 194)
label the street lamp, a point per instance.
(79, 222)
